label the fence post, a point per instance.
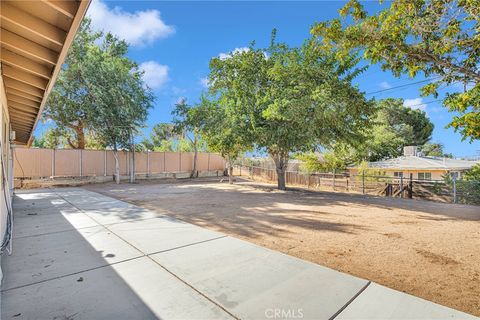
(148, 163)
(164, 162)
(363, 182)
(454, 188)
(180, 161)
(208, 162)
(81, 163)
(105, 163)
(401, 186)
(53, 162)
(410, 187)
(334, 179)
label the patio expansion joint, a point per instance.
(160, 265)
(350, 301)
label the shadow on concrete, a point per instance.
(66, 266)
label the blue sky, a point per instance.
(173, 42)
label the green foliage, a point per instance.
(467, 188)
(99, 92)
(219, 128)
(369, 174)
(52, 138)
(473, 174)
(162, 132)
(436, 37)
(288, 100)
(338, 158)
(434, 150)
(395, 126)
(311, 162)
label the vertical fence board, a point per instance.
(172, 162)
(140, 162)
(93, 162)
(156, 162)
(187, 161)
(67, 162)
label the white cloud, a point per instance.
(176, 90)
(385, 85)
(204, 82)
(155, 74)
(416, 103)
(224, 55)
(137, 28)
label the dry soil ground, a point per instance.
(430, 250)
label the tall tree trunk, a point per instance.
(281, 160)
(80, 137)
(117, 167)
(194, 173)
(230, 173)
(230, 170)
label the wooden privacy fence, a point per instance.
(42, 163)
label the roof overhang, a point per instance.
(35, 38)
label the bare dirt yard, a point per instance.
(428, 249)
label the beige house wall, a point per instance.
(436, 174)
(6, 172)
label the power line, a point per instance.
(402, 86)
(424, 103)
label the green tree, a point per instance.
(219, 130)
(434, 150)
(120, 100)
(70, 104)
(187, 125)
(52, 138)
(161, 132)
(473, 174)
(436, 37)
(395, 126)
(97, 83)
(288, 100)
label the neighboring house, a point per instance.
(419, 166)
(35, 37)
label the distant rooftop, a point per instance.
(422, 162)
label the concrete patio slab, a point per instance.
(58, 254)
(25, 205)
(87, 200)
(136, 289)
(379, 302)
(115, 214)
(160, 234)
(65, 219)
(253, 282)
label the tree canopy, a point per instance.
(395, 126)
(438, 38)
(99, 91)
(288, 100)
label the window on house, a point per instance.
(424, 176)
(398, 174)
